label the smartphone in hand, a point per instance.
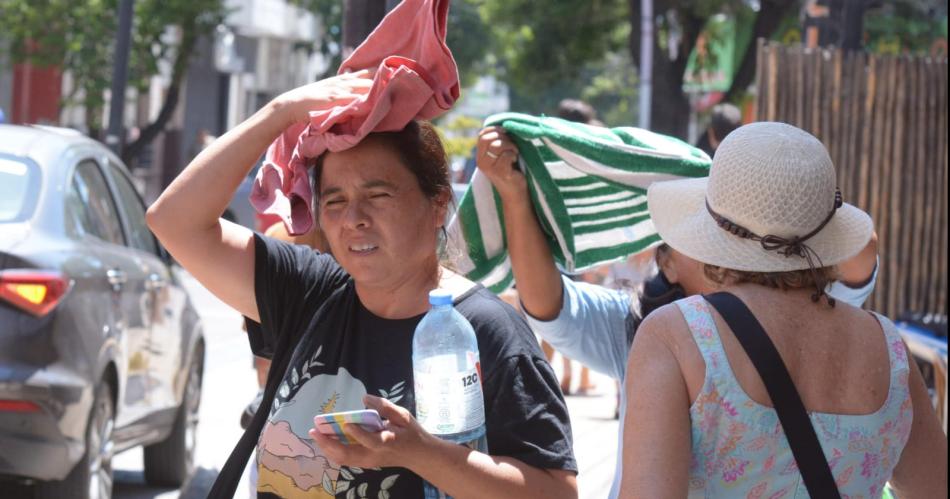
(334, 423)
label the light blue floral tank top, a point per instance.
(740, 450)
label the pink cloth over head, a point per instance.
(416, 78)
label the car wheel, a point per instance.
(169, 462)
(92, 476)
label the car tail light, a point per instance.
(35, 291)
(18, 406)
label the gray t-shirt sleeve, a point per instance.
(591, 328)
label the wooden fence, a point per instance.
(884, 121)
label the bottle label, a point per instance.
(447, 404)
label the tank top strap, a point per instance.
(702, 326)
(897, 355)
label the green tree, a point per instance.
(547, 49)
(459, 136)
(468, 37)
(905, 27)
(552, 45)
(330, 13)
(612, 90)
(78, 37)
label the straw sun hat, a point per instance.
(770, 188)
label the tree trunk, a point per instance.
(151, 131)
(771, 14)
(179, 69)
(670, 108)
(852, 24)
(92, 118)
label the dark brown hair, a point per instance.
(576, 110)
(420, 150)
(657, 290)
(725, 118)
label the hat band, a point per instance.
(794, 245)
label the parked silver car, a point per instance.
(100, 347)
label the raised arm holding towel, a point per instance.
(187, 216)
(348, 319)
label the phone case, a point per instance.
(333, 423)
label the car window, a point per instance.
(139, 235)
(19, 182)
(89, 207)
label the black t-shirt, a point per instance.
(343, 351)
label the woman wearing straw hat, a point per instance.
(769, 226)
(593, 324)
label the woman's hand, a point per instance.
(401, 443)
(539, 282)
(295, 105)
(497, 158)
(455, 469)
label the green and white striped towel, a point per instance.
(588, 186)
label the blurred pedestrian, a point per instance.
(577, 111)
(724, 119)
(203, 139)
(594, 324)
(707, 415)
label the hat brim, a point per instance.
(678, 210)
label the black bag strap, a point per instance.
(814, 468)
(225, 484)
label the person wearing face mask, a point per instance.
(593, 324)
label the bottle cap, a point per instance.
(440, 297)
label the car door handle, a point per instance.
(154, 282)
(116, 278)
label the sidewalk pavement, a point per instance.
(595, 434)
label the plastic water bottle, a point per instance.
(448, 378)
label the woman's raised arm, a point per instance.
(186, 218)
(537, 277)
